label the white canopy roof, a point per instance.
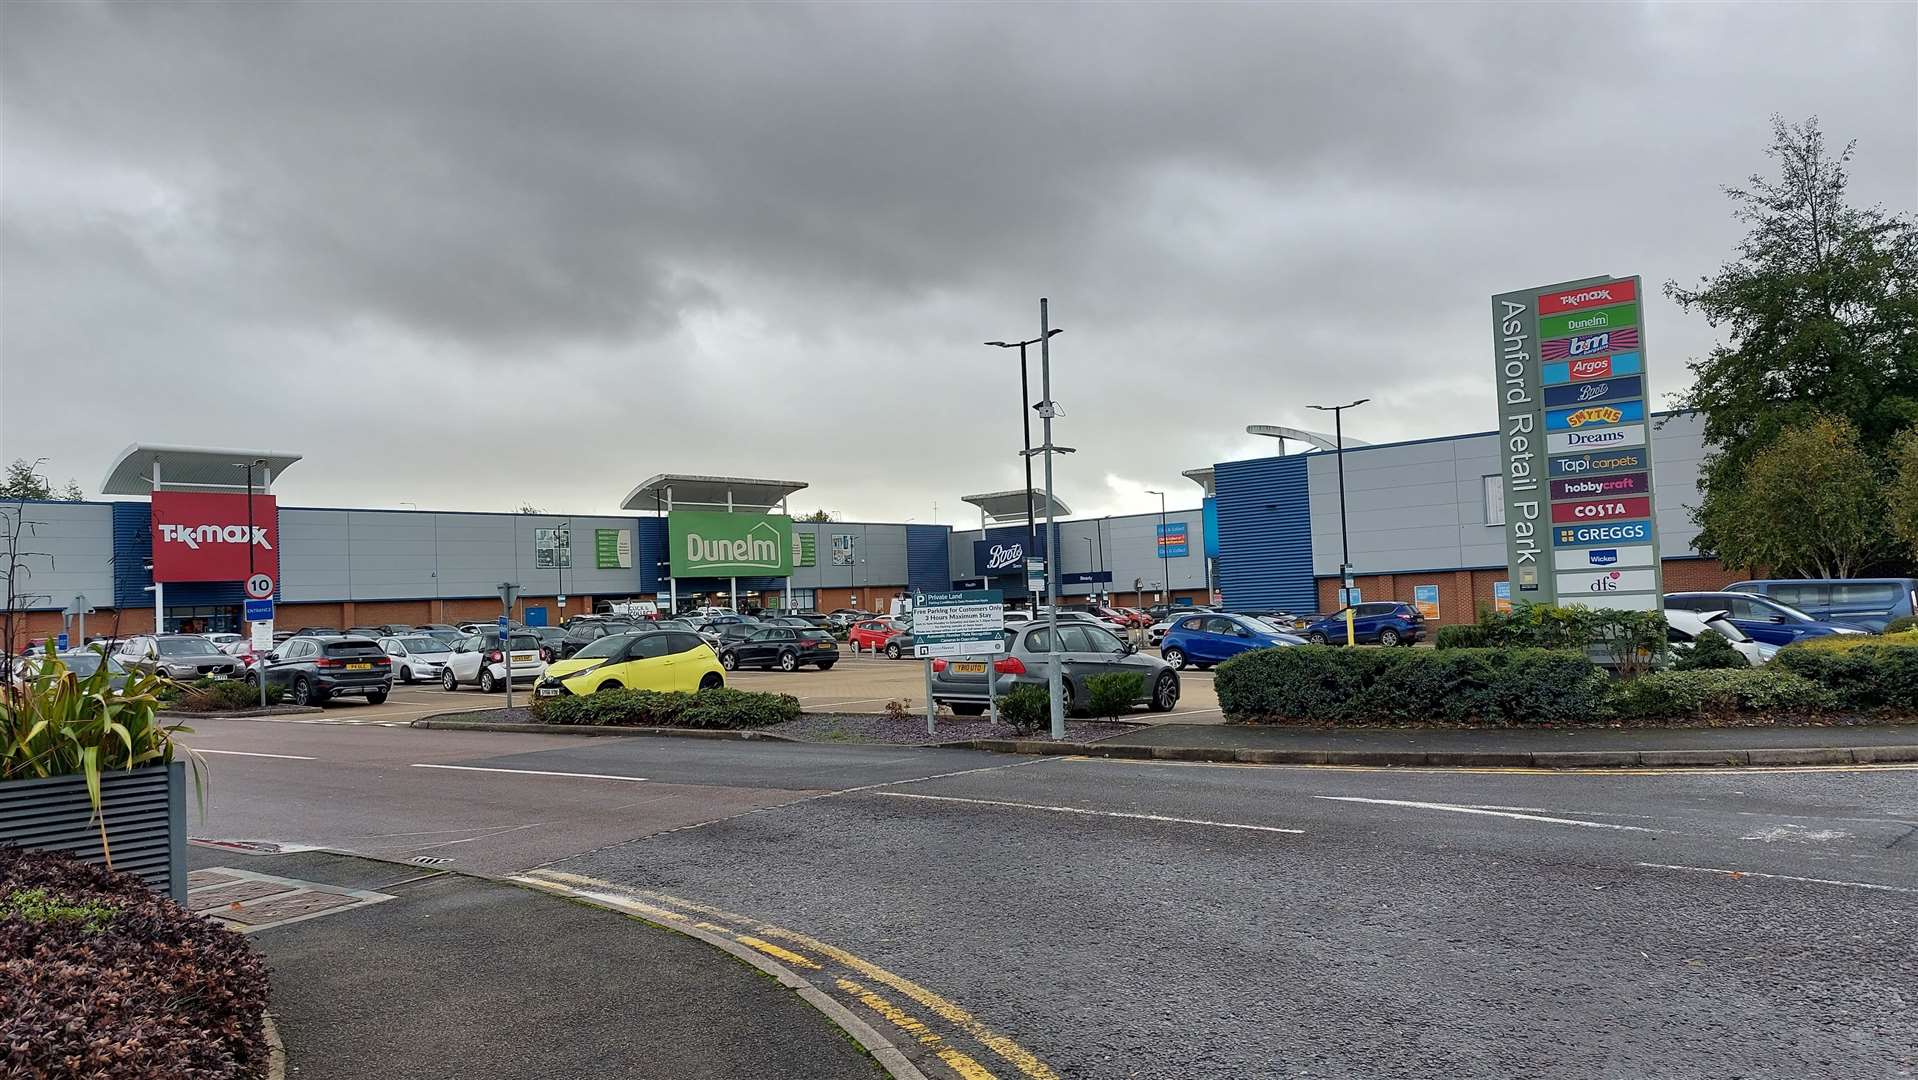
(1011, 505)
(190, 468)
(693, 492)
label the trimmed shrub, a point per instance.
(223, 695)
(1901, 624)
(1111, 694)
(1862, 672)
(1469, 636)
(723, 708)
(1634, 640)
(1717, 693)
(101, 976)
(1378, 685)
(1711, 651)
(1026, 708)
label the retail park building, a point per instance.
(1261, 534)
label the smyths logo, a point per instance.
(214, 537)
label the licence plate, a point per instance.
(549, 691)
(359, 667)
(969, 668)
(525, 658)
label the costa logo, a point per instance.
(1601, 510)
(206, 537)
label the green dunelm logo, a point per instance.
(704, 544)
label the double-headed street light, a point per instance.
(1345, 538)
(1025, 449)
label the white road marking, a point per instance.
(1454, 808)
(1796, 833)
(249, 753)
(1092, 813)
(534, 772)
(1776, 877)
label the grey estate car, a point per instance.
(1084, 649)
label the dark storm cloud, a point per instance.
(757, 238)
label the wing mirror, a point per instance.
(1129, 647)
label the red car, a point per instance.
(1113, 616)
(881, 635)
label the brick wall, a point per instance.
(1463, 592)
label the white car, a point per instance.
(1686, 627)
(1155, 634)
(224, 641)
(477, 660)
(418, 657)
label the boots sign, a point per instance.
(206, 537)
(707, 544)
(1575, 444)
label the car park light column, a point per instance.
(1046, 411)
(672, 583)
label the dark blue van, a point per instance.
(1864, 602)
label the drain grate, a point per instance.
(428, 860)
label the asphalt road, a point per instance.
(1091, 918)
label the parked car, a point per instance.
(549, 641)
(81, 662)
(1683, 628)
(1866, 603)
(314, 669)
(1155, 634)
(1085, 650)
(222, 640)
(436, 628)
(1385, 622)
(317, 631)
(1206, 639)
(784, 647)
(793, 621)
(844, 618)
(583, 632)
(1761, 617)
(451, 635)
(667, 660)
(371, 633)
(177, 656)
(416, 657)
(890, 636)
(478, 660)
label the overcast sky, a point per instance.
(469, 256)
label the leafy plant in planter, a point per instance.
(59, 724)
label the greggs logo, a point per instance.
(1597, 414)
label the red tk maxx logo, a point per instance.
(208, 537)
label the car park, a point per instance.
(222, 641)
(549, 640)
(581, 633)
(81, 662)
(1684, 627)
(317, 631)
(663, 660)
(177, 656)
(315, 669)
(1085, 650)
(1865, 603)
(844, 618)
(784, 647)
(478, 660)
(1761, 617)
(416, 657)
(890, 636)
(1212, 637)
(1385, 622)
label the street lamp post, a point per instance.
(1165, 563)
(1025, 450)
(249, 466)
(1345, 537)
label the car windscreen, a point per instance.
(351, 647)
(1793, 613)
(187, 647)
(610, 645)
(425, 645)
(84, 663)
(814, 635)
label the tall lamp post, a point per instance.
(249, 466)
(1345, 536)
(1025, 449)
(1165, 564)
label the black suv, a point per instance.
(783, 646)
(316, 668)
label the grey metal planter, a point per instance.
(145, 812)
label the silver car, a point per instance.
(416, 657)
(177, 656)
(1086, 649)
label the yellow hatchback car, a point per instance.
(668, 660)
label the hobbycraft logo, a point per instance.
(195, 535)
(1598, 414)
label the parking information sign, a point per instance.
(968, 622)
(1575, 443)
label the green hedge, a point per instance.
(718, 708)
(1710, 652)
(1114, 693)
(1707, 693)
(1866, 675)
(1026, 708)
(1470, 636)
(1446, 686)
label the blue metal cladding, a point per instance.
(1265, 555)
(928, 560)
(651, 539)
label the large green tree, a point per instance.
(1820, 315)
(1807, 504)
(23, 481)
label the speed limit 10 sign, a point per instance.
(259, 586)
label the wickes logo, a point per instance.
(194, 535)
(746, 551)
(1002, 556)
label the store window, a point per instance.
(1495, 500)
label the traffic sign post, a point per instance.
(259, 587)
(964, 622)
(60, 643)
(259, 613)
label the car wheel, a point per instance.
(406, 675)
(609, 684)
(1174, 656)
(303, 692)
(1165, 693)
(488, 683)
(447, 681)
(1388, 637)
(788, 662)
(712, 680)
(966, 708)
(376, 697)
(1316, 637)
(892, 651)
(729, 661)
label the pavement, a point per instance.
(1037, 917)
(460, 977)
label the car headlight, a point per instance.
(1766, 650)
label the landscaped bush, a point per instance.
(1026, 708)
(101, 976)
(1469, 636)
(1902, 624)
(1114, 693)
(1710, 652)
(1862, 672)
(217, 695)
(718, 708)
(1318, 685)
(1633, 640)
(1714, 693)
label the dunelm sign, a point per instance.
(707, 544)
(1573, 470)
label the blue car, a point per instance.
(1867, 603)
(1383, 622)
(1760, 617)
(1207, 637)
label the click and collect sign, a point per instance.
(1574, 445)
(1172, 541)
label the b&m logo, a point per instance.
(1595, 415)
(1579, 345)
(1602, 556)
(1589, 343)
